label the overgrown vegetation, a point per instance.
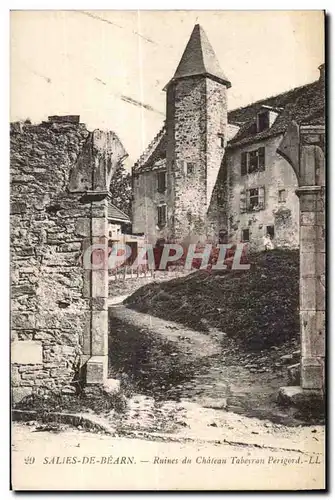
(257, 307)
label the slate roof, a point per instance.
(116, 214)
(300, 104)
(199, 58)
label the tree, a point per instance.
(120, 188)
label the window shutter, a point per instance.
(261, 197)
(244, 169)
(243, 202)
(261, 158)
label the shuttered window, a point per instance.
(161, 182)
(161, 215)
(253, 161)
(254, 200)
(245, 235)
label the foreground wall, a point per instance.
(58, 310)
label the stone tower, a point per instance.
(196, 123)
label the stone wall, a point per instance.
(52, 222)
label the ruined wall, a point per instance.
(284, 216)
(60, 175)
(48, 309)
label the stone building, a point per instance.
(210, 169)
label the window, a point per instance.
(253, 161)
(282, 195)
(252, 200)
(161, 182)
(263, 121)
(189, 168)
(161, 215)
(245, 235)
(270, 230)
(221, 140)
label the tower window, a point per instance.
(161, 215)
(161, 182)
(221, 140)
(189, 168)
(282, 195)
(270, 230)
(245, 235)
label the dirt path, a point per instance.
(219, 381)
(189, 342)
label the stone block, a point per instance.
(15, 376)
(100, 283)
(22, 320)
(86, 337)
(320, 293)
(26, 352)
(19, 393)
(112, 385)
(308, 233)
(99, 226)
(86, 290)
(96, 370)
(293, 372)
(83, 227)
(99, 303)
(99, 333)
(307, 218)
(320, 219)
(312, 333)
(301, 398)
(308, 264)
(308, 202)
(312, 373)
(19, 290)
(307, 293)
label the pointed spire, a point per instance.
(199, 59)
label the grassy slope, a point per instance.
(258, 307)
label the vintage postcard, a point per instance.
(168, 250)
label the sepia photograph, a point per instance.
(167, 250)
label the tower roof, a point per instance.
(199, 59)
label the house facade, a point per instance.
(210, 169)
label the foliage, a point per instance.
(120, 188)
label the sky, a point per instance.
(110, 67)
